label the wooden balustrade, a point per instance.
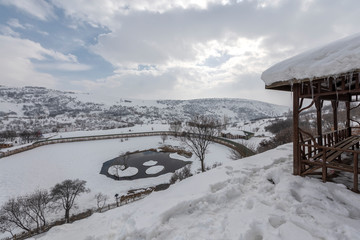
(244, 151)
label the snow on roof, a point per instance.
(235, 132)
(338, 57)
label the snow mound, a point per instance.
(128, 172)
(154, 169)
(337, 57)
(150, 163)
(252, 198)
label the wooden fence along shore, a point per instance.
(244, 151)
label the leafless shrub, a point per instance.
(215, 165)
(175, 127)
(181, 174)
(234, 154)
(101, 200)
(282, 137)
(164, 137)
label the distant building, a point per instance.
(6, 145)
(237, 134)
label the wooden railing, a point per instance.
(312, 145)
(244, 151)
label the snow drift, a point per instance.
(252, 198)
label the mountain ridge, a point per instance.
(49, 109)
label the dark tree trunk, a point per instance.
(67, 215)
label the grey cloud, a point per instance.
(153, 38)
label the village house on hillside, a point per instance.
(6, 144)
(237, 134)
(326, 74)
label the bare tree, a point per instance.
(25, 212)
(175, 127)
(225, 123)
(66, 192)
(6, 225)
(36, 205)
(116, 168)
(121, 163)
(164, 137)
(199, 133)
(12, 214)
(101, 200)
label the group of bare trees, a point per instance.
(30, 212)
(26, 136)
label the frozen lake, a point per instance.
(161, 163)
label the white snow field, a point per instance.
(337, 57)
(252, 198)
(45, 166)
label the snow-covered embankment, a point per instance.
(253, 198)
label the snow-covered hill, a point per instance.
(252, 198)
(48, 110)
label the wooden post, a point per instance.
(348, 129)
(324, 168)
(335, 105)
(356, 169)
(318, 106)
(296, 146)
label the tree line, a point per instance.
(25, 136)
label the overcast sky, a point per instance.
(147, 49)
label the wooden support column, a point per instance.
(335, 105)
(296, 146)
(318, 105)
(356, 169)
(348, 129)
(324, 167)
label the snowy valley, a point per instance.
(249, 198)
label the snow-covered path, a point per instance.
(253, 198)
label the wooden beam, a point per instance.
(333, 94)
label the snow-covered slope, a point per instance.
(334, 58)
(252, 198)
(35, 108)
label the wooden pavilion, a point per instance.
(319, 152)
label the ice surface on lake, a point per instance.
(154, 169)
(150, 163)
